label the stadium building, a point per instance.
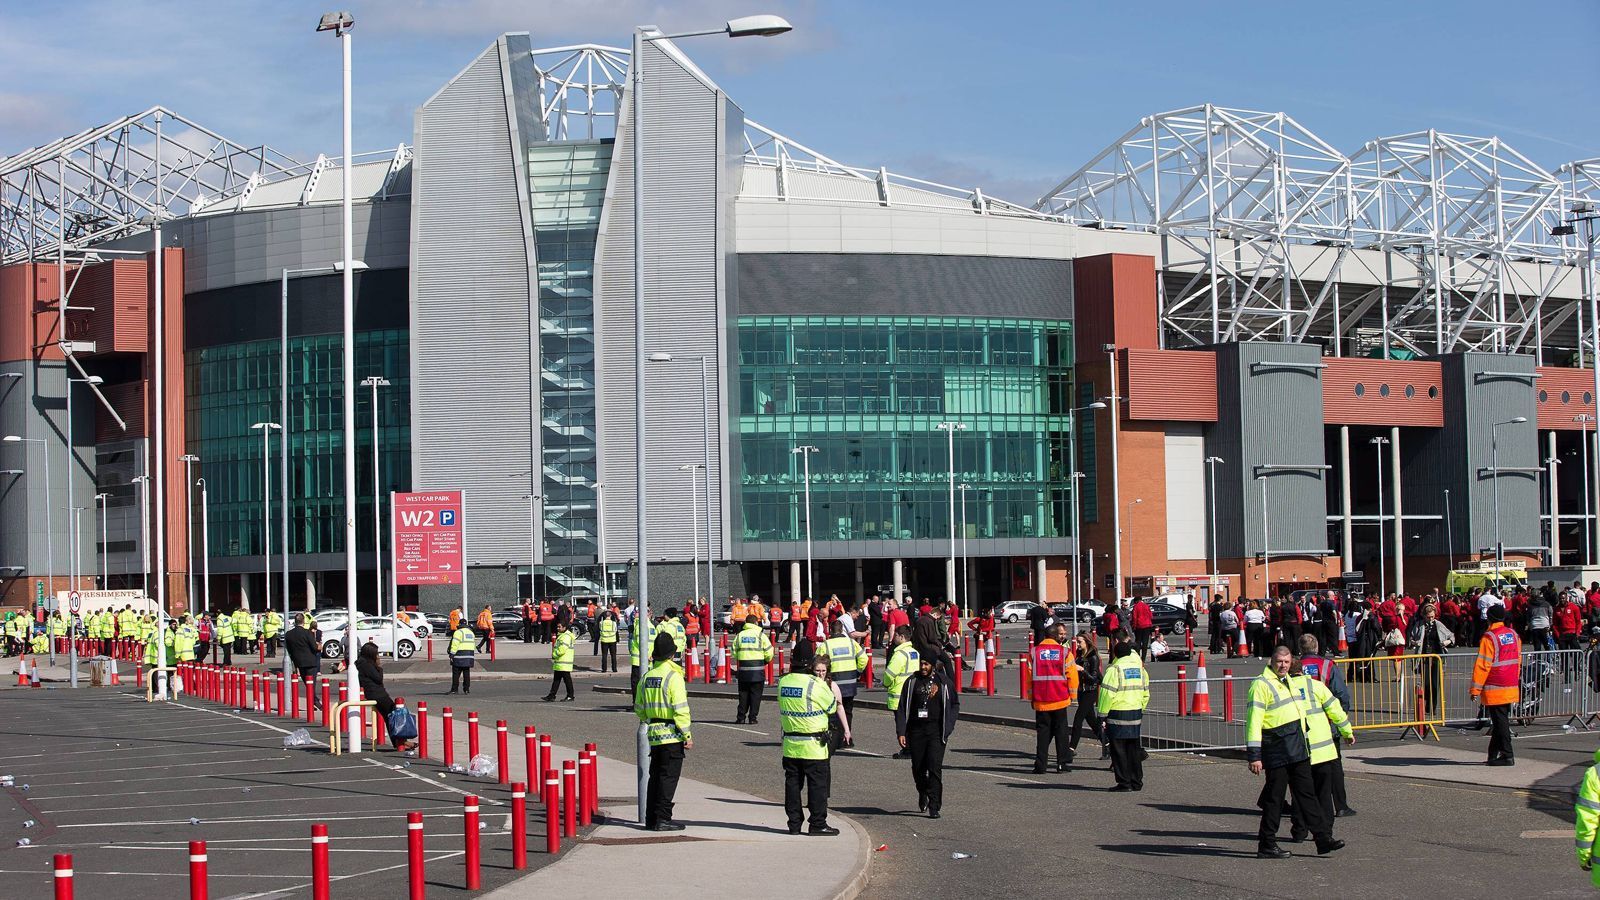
(1221, 353)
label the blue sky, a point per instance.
(1010, 96)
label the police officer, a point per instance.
(1055, 686)
(1495, 683)
(846, 660)
(225, 637)
(805, 704)
(1124, 694)
(903, 660)
(1324, 715)
(751, 652)
(562, 653)
(244, 630)
(1323, 670)
(671, 624)
(159, 655)
(1277, 742)
(607, 633)
(271, 624)
(184, 639)
(1586, 824)
(662, 702)
(462, 646)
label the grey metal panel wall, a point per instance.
(1461, 453)
(909, 549)
(1269, 415)
(853, 284)
(34, 406)
(471, 323)
(686, 140)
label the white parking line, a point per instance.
(150, 874)
(423, 778)
(341, 799)
(306, 884)
(735, 728)
(190, 790)
(43, 773)
(252, 820)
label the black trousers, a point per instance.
(310, 673)
(666, 764)
(608, 652)
(484, 637)
(1127, 762)
(1050, 725)
(461, 678)
(272, 646)
(1086, 712)
(1141, 641)
(817, 777)
(1336, 779)
(201, 650)
(1297, 780)
(633, 676)
(1500, 732)
(227, 652)
(527, 631)
(750, 700)
(926, 745)
(559, 679)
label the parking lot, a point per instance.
(123, 786)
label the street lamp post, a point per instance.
(600, 528)
(1585, 212)
(1583, 421)
(1449, 532)
(143, 481)
(748, 26)
(1077, 517)
(950, 428)
(266, 429)
(705, 432)
(1211, 478)
(694, 516)
(1494, 463)
(188, 460)
(533, 540)
(805, 452)
(1378, 443)
(374, 382)
(205, 546)
(1116, 469)
(105, 564)
(966, 585)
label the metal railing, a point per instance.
(1407, 691)
(336, 724)
(1554, 684)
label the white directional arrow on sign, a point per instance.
(444, 565)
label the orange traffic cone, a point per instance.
(1244, 646)
(980, 671)
(116, 679)
(1344, 645)
(33, 673)
(1201, 703)
(694, 662)
(722, 661)
(22, 671)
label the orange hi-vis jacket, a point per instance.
(1497, 671)
(1055, 676)
(547, 613)
(485, 619)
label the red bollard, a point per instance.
(257, 692)
(430, 648)
(1183, 692)
(469, 822)
(63, 867)
(414, 857)
(530, 753)
(1227, 695)
(992, 658)
(472, 735)
(294, 697)
(327, 703)
(544, 754)
(277, 682)
(584, 789)
(319, 862)
(955, 663)
(519, 826)
(569, 809)
(1024, 676)
(197, 870)
(593, 791)
(422, 729)
(493, 642)
(501, 740)
(449, 737)
(138, 675)
(552, 820)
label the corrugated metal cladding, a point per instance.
(1171, 385)
(1359, 391)
(1115, 302)
(119, 292)
(857, 284)
(1270, 403)
(1187, 520)
(686, 142)
(471, 315)
(1562, 394)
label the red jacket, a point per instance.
(1568, 619)
(1141, 615)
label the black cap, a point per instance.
(664, 648)
(1496, 613)
(670, 612)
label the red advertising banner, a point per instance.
(428, 537)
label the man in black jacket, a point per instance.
(929, 706)
(305, 654)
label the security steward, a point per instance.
(751, 653)
(1322, 669)
(463, 644)
(225, 637)
(271, 624)
(1277, 741)
(636, 630)
(608, 639)
(1124, 694)
(672, 625)
(662, 702)
(805, 704)
(185, 637)
(244, 630)
(547, 621)
(1324, 715)
(903, 660)
(1055, 687)
(846, 661)
(562, 654)
(1495, 677)
(1586, 825)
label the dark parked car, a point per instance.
(1063, 611)
(1169, 619)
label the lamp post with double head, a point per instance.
(188, 460)
(950, 428)
(805, 451)
(266, 429)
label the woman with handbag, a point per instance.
(369, 676)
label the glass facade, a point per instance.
(232, 387)
(869, 391)
(567, 190)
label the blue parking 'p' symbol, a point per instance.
(447, 517)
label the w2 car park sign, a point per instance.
(428, 537)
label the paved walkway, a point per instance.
(726, 830)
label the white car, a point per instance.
(1013, 610)
(391, 636)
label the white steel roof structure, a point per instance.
(64, 196)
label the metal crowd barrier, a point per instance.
(1170, 726)
(1406, 691)
(1555, 685)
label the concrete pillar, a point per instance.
(1399, 517)
(1038, 580)
(311, 590)
(1553, 465)
(794, 581)
(244, 591)
(861, 587)
(899, 578)
(777, 584)
(1347, 541)
(950, 580)
(971, 594)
